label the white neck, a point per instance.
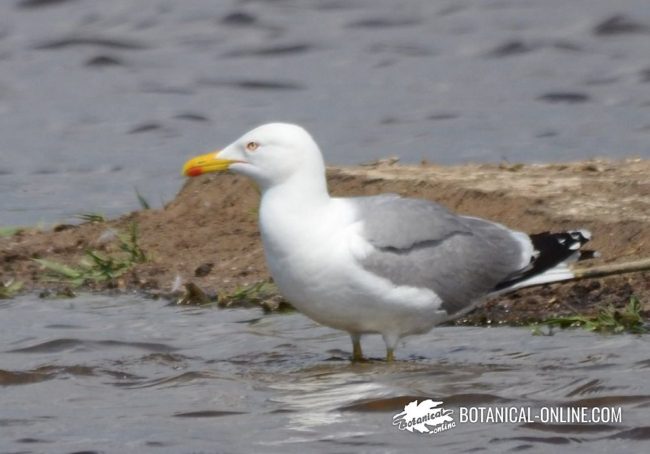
(291, 210)
(302, 189)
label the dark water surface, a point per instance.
(98, 98)
(122, 374)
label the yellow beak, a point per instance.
(206, 163)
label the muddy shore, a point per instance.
(208, 234)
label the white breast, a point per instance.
(312, 256)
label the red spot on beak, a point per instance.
(194, 172)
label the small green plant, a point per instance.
(96, 267)
(263, 294)
(130, 244)
(58, 271)
(10, 288)
(9, 231)
(92, 268)
(93, 218)
(252, 293)
(144, 204)
(608, 320)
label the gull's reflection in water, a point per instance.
(318, 397)
(324, 395)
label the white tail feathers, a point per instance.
(559, 273)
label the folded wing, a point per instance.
(422, 244)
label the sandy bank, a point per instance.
(208, 233)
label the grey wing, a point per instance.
(391, 221)
(422, 244)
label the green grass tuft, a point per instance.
(144, 204)
(96, 267)
(263, 294)
(130, 244)
(608, 320)
(93, 218)
(249, 293)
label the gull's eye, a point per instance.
(252, 146)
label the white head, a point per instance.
(270, 154)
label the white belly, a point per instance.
(314, 267)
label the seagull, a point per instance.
(382, 264)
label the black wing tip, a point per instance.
(551, 249)
(557, 247)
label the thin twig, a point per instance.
(608, 270)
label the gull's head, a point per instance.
(269, 154)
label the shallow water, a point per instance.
(122, 374)
(100, 98)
